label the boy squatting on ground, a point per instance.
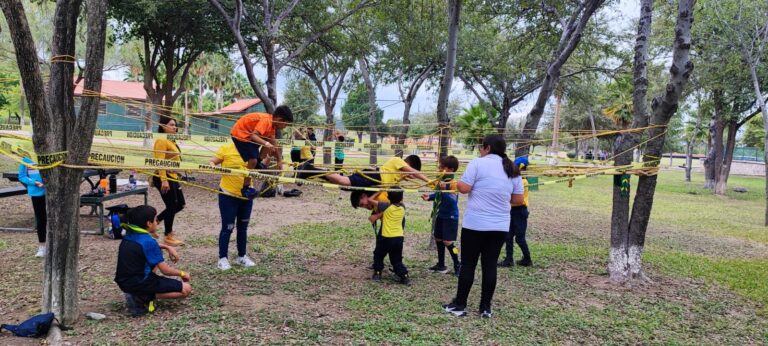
(445, 215)
(391, 174)
(254, 130)
(389, 239)
(138, 257)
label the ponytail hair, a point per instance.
(498, 146)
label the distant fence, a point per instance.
(749, 154)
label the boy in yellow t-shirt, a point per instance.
(389, 239)
(234, 209)
(391, 174)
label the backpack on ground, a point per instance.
(115, 217)
(35, 327)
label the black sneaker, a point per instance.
(405, 280)
(438, 269)
(457, 270)
(505, 264)
(376, 276)
(486, 313)
(135, 306)
(456, 310)
(525, 262)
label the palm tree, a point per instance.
(218, 76)
(618, 98)
(473, 124)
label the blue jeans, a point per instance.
(235, 213)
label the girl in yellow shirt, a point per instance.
(170, 190)
(235, 211)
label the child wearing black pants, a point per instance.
(445, 215)
(389, 240)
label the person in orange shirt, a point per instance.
(255, 130)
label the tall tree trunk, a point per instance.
(330, 124)
(403, 133)
(373, 153)
(688, 160)
(556, 127)
(187, 124)
(56, 128)
(689, 148)
(504, 114)
(594, 132)
(721, 181)
(200, 91)
(454, 15)
(627, 244)
(618, 265)
(569, 39)
(269, 57)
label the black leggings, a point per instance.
(41, 219)
(485, 245)
(174, 203)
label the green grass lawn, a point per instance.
(317, 269)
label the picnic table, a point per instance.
(12, 190)
(98, 201)
(95, 202)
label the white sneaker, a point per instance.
(245, 261)
(224, 264)
(40, 251)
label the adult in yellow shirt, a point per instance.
(166, 181)
(234, 209)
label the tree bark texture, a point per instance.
(569, 39)
(620, 252)
(57, 128)
(713, 162)
(721, 180)
(627, 250)
(454, 13)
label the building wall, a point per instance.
(219, 125)
(211, 125)
(120, 117)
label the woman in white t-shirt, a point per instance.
(493, 182)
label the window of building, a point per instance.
(214, 124)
